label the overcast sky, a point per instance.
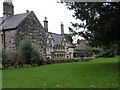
(55, 12)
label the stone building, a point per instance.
(14, 28)
(58, 47)
(82, 49)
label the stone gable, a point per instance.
(31, 28)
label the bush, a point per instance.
(107, 53)
(40, 61)
(49, 61)
(96, 51)
(7, 59)
(28, 54)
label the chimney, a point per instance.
(27, 11)
(46, 24)
(8, 8)
(62, 29)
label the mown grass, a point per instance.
(97, 73)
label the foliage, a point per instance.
(107, 52)
(40, 61)
(6, 59)
(68, 37)
(99, 21)
(28, 53)
(49, 61)
(11, 60)
(97, 73)
(96, 51)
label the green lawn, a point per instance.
(100, 73)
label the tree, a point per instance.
(28, 54)
(100, 22)
(68, 37)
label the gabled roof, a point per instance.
(12, 22)
(83, 46)
(71, 45)
(57, 38)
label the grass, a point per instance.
(97, 73)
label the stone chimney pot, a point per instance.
(46, 18)
(27, 11)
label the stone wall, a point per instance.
(31, 28)
(10, 40)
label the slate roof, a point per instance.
(83, 46)
(12, 22)
(57, 38)
(71, 45)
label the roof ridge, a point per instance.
(17, 14)
(55, 33)
(21, 14)
(18, 18)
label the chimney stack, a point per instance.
(27, 11)
(46, 24)
(8, 8)
(62, 29)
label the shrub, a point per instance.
(28, 54)
(49, 61)
(40, 61)
(107, 53)
(9, 59)
(96, 51)
(6, 59)
(15, 59)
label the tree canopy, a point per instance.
(100, 22)
(68, 37)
